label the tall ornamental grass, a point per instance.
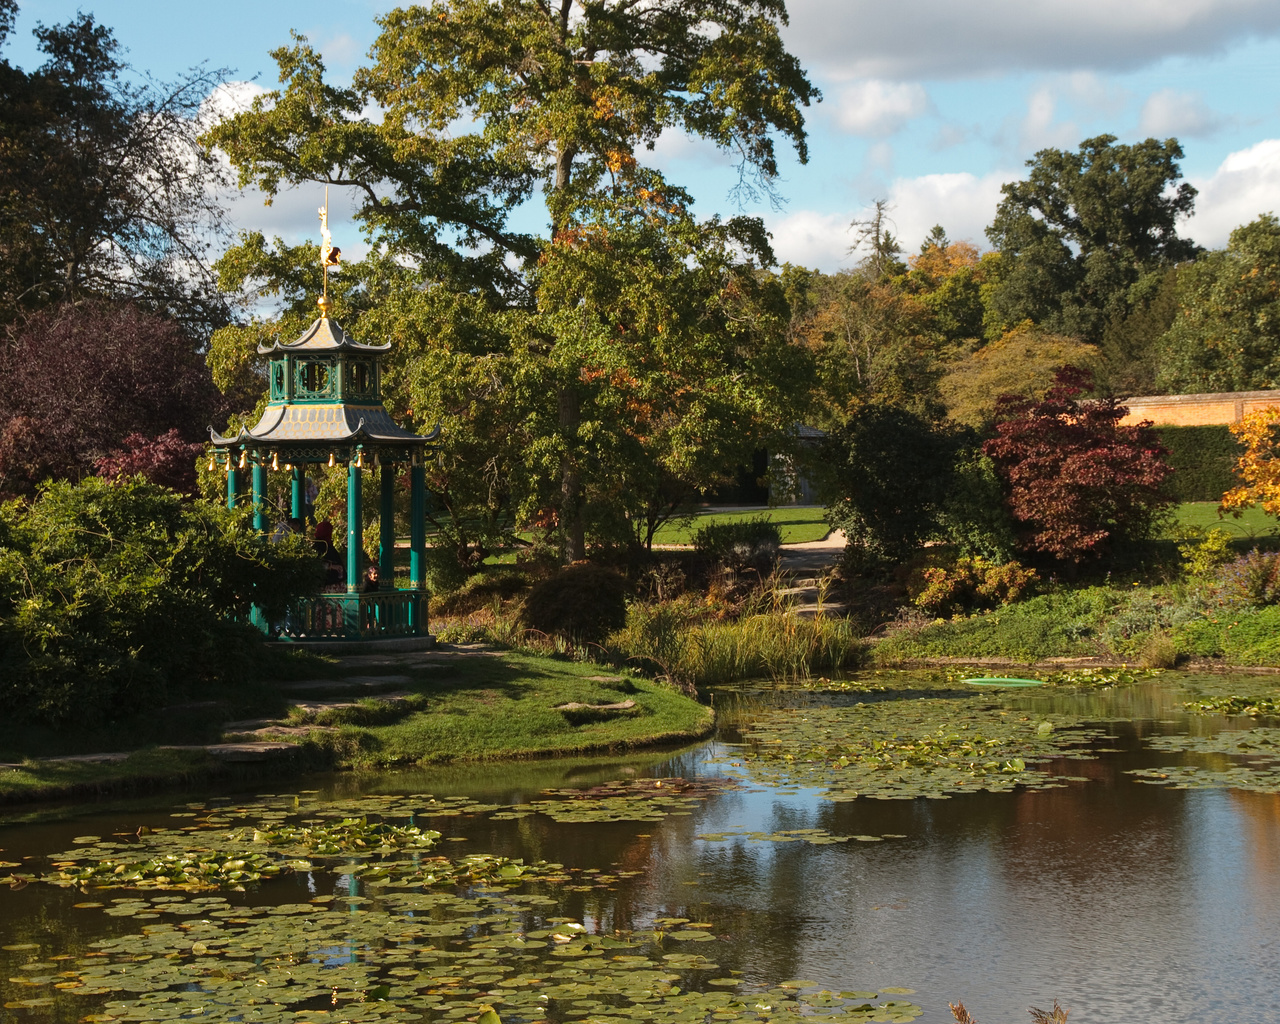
(777, 646)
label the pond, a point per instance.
(870, 849)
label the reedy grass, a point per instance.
(773, 644)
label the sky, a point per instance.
(930, 106)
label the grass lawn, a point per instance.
(486, 706)
(466, 706)
(799, 524)
(1253, 523)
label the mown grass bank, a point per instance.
(1158, 627)
(494, 705)
(447, 707)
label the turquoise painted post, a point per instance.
(418, 549)
(260, 496)
(418, 527)
(233, 484)
(297, 502)
(355, 528)
(387, 529)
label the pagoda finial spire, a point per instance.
(330, 254)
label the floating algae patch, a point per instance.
(1260, 773)
(403, 935)
(892, 750)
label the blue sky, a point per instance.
(930, 105)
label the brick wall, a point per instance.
(1198, 410)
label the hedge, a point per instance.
(1203, 460)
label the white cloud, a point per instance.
(809, 239)
(1246, 184)
(1039, 130)
(1183, 114)
(934, 39)
(876, 108)
(964, 204)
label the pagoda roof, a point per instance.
(324, 335)
(332, 423)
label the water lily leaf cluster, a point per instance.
(635, 800)
(1260, 773)
(1254, 707)
(1100, 677)
(396, 933)
(929, 747)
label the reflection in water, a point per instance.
(1127, 902)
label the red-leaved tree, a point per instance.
(1075, 479)
(77, 380)
(166, 460)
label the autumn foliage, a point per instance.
(1259, 466)
(1075, 479)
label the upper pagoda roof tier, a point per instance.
(324, 335)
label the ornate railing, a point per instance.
(385, 613)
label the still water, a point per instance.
(1125, 901)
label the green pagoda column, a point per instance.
(233, 484)
(418, 527)
(260, 496)
(297, 500)
(355, 528)
(387, 529)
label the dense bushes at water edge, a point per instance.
(117, 596)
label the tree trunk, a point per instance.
(573, 533)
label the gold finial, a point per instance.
(330, 255)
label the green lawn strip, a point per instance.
(485, 707)
(504, 706)
(1253, 522)
(142, 770)
(799, 524)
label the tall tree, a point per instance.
(1225, 330)
(479, 106)
(104, 192)
(80, 379)
(1084, 227)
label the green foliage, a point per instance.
(969, 584)
(1022, 360)
(745, 544)
(594, 379)
(1226, 334)
(1251, 637)
(1131, 339)
(1049, 626)
(1202, 551)
(116, 596)
(972, 514)
(1084, 228)
(1203, 461)
(885, 476)
(582, 603)
(444, 573)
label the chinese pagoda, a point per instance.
(325, 408)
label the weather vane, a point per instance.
(330, 254)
